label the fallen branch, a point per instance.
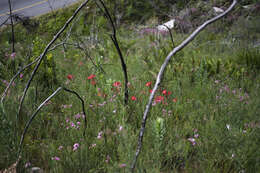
(160, 74)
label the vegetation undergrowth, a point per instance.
(204, 118)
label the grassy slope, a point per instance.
(210, 114)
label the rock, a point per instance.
(218, 10)
(169, 24)
(36, 170)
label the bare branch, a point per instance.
(45, 51)
(12, 24)
(114, 39)
(160, 74)
(39, 108)
(169, 30)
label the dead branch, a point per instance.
(114, 39)
(12, 24)
(45, 51)
(160, 74)
(39, 108)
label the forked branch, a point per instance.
(44, 103)
(45, 51)
(114, 39)
(160, 74)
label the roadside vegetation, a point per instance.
(204, 117)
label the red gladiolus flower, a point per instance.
(70, 77)
(164, 92)
(92, 76)
(93, 82)
(148, 84)
(159, 99)
(133, 98)
(174, 100)
(116, 84)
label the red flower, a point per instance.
(93, 82)
(169, 93)
(92, 76)
(159, 99)
(174, 100)
(148, 84)
(133, 98)
(150, 91)
(70, 77)
(116, 84)
(164, 92)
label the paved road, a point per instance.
(30, 8)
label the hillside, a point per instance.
(81, 102)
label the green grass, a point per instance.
(208, 123)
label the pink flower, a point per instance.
(92, 76)
(75, 146)
(99, 135)
(174, 100)
(120, 128)
(55, 158)
(60, 147)
(12, 56)
(192, 140)
(116, 84)
(108, 159)
(21, 75)
(122, 165)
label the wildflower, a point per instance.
(93, 82)
(55, 158)
(77, 116)
(75, 146)
(234, 91)
(12, 56)
(133, 98)
(69, 76)
(216, 81)
(108, 159)
(99, 135)
(66, 106)
(116, 84)
(21, 76)
(150, 91)
(60, 147)
(148, 84)
(174, 100)
(78, 123)
(72, 124)
(192, 140)
(159, 99)
(196, 135)
(92, 76)
(164, 92)
(122, 165)
(120, 128)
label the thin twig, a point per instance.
(39, 108)
(44, 53)
(33, 116)
(12, 24)
(83, 106)
(114, 39)
(169, 30)
(160, 74)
